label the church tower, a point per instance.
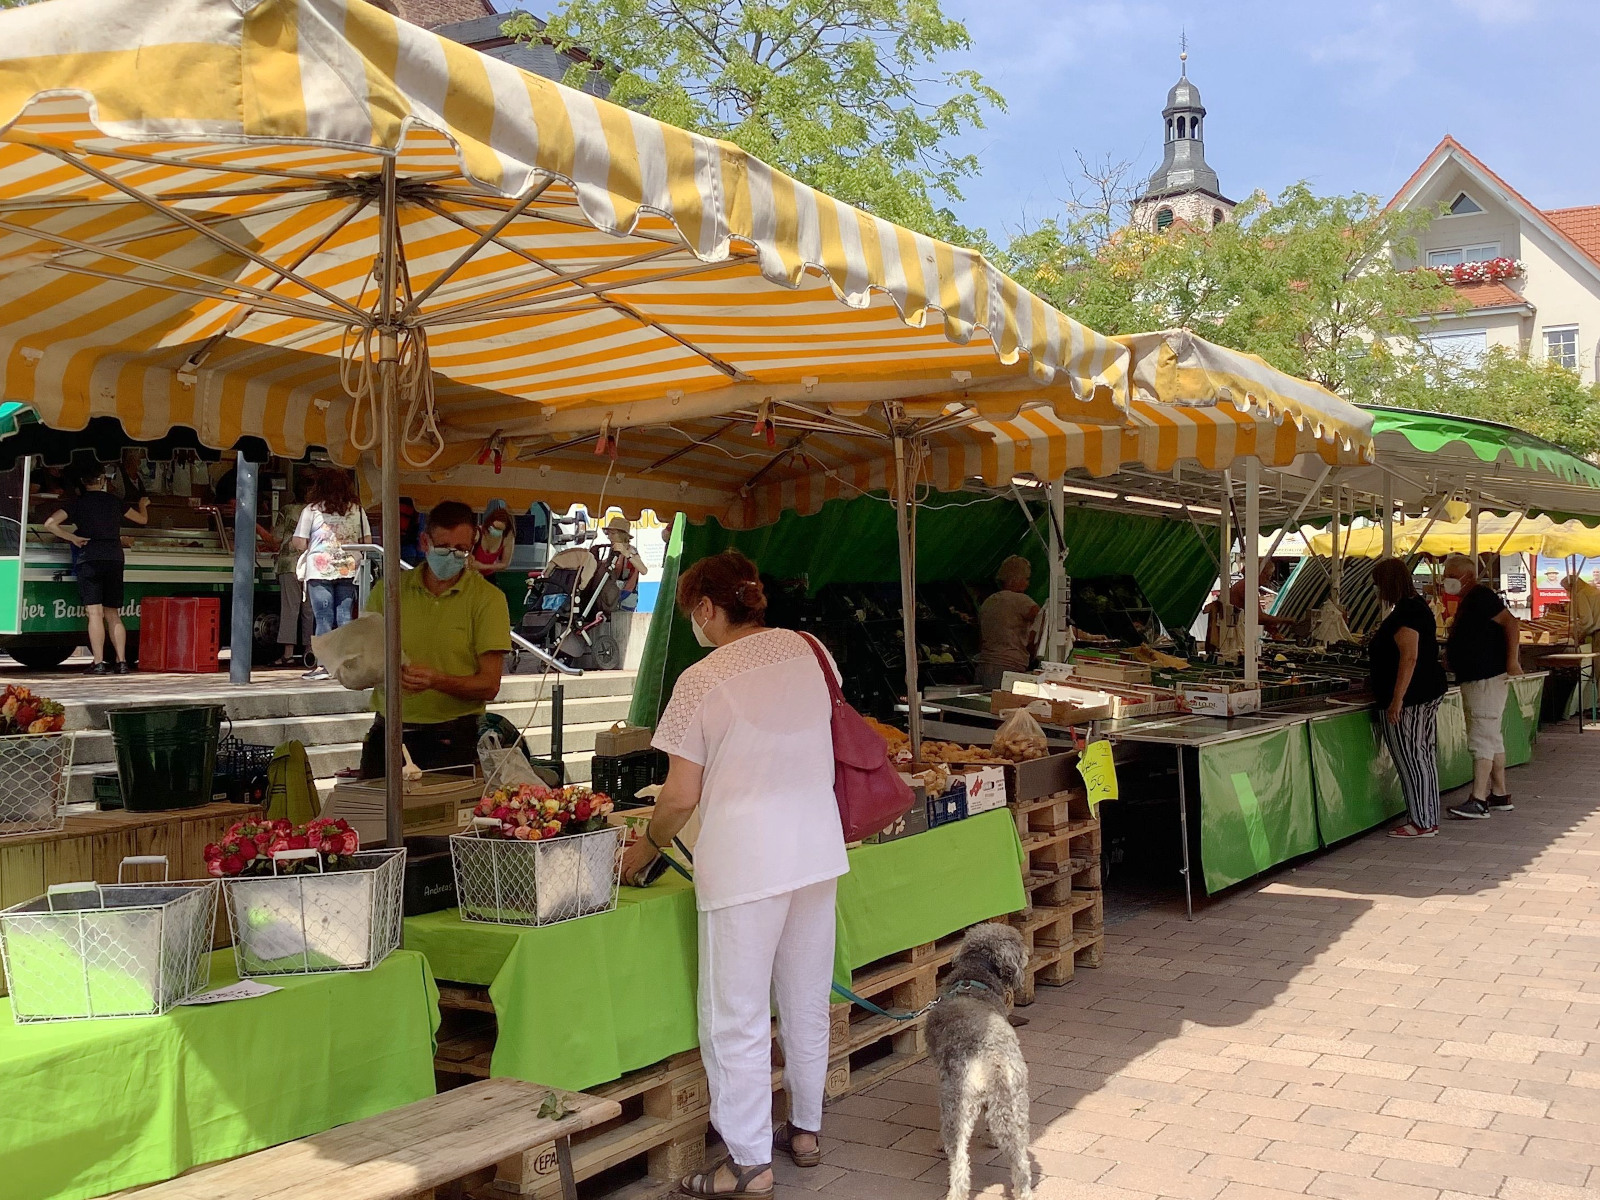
(1184, 187)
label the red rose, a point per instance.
(350, 841)
(213, 850)
(214, 867)
(232, 865)
(277, 844)
(299, 842)
(247, 849)
(581, 810)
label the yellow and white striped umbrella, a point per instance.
(195, 196)
(1496, 535)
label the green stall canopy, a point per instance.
(959, 538)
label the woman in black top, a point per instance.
(1408, 682)
(96, 518)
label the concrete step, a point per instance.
(87, 702)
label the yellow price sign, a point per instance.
(1099, 773)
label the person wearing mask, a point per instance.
(96, 518)
(1482, 650)
(1007, 625)
(294, 614)
(1583, 600)
(748, 732)
(497, 542)
(1407, 682)
(455, 630)
(331, 521)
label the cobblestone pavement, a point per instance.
(1390, 1021)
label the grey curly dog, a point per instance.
(978, 1056)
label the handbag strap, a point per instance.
(834, 692)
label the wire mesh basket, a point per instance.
(504, 881)
(306, 924)
(36, 769)
(90, 950)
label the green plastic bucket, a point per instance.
(166, 754)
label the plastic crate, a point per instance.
(241, 775)
(180, 633)
(620, 776)
(107, 791)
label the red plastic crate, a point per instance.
(180, 633)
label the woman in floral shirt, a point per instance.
(332, 520)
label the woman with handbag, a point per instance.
(749, 733)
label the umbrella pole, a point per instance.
(1472, 537)
(1225, 562)
(1388, 515)
(1252, 571)
(908, 591)
(388, 371)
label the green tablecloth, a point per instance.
(583, 1002)
(1358, 786)
(89, 1107)
(1257, 805)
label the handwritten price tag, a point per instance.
(1099, 773)
(245, 989)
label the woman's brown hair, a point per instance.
(731, 582)
(1392, 578)
(334, 491)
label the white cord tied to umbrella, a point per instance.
(358, 373)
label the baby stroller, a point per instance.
(569, 607)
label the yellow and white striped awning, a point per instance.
(193, 206)
(726, 468)
(1176, 368)
(1496, 535)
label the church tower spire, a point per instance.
(1183, 187)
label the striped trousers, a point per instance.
(1413, 744)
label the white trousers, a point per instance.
(773, 951)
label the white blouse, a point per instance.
(755, 714)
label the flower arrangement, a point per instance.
(1493, 270)
(248, 846)
(530, 812)
(23, 712)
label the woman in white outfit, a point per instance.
(748, 732)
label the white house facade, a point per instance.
(1530, 276)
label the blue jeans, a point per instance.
(333, 603)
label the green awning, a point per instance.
(13, 416)
(1488, 441)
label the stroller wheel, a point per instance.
(607, 654)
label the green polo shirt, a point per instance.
(446, 632)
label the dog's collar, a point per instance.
(962, 986)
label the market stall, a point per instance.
(92, 1107)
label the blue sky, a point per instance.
(1348, 94)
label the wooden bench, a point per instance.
(404, 1153)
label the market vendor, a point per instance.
(1008, 624)
(455, 630)
(1584, 601)
(96, 518)
(1238, 594)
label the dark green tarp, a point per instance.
(1357, 784)
(959, 537)
(1257, 805)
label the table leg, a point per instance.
(569, 1184)
(1183, 832)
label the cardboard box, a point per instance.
(622, 738)
(914, 821)
(438, 804)
(1080, 709)
(1217, 702)
(1113, 670)
(986, 789)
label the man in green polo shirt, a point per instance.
(455, 629)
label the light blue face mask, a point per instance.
(445, 563)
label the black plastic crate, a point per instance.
(241, 773)
(620, 776)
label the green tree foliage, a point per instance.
(1304, 282)
(1512, 387)
(850, 96)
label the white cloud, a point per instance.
(1500, 12)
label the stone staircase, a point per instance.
(332, 722)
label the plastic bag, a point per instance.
(353, 653)
(1019, 737)
(507, 766)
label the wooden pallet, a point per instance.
(1063, 925)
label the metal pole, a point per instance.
(908, 591)
(1055, 634)
(388, 370)
(1183, 832)
(1388, 515)
(1293, 523)
(241, 638)
(1472, 531)
(1336, 572)
(1225, 560)
(1252, 571)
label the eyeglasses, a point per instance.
(452, 552)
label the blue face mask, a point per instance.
(446, 564)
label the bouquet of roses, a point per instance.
(23, 712)
(531, 812)
(248, 846)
